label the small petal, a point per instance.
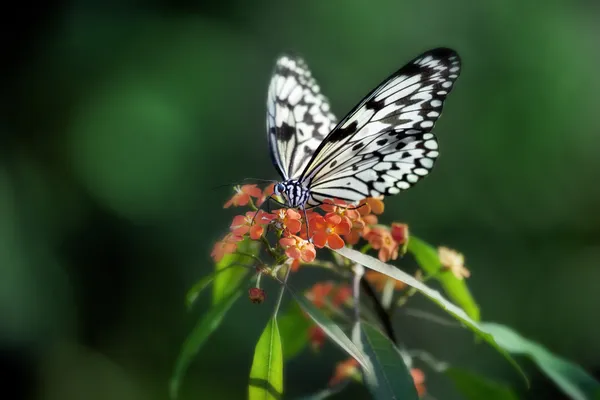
(343, 228)
(293, 252)
(335, 241)
(308, 253)
(333, 219)
(320, 239)
(256, 231)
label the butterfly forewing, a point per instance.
(384, 145)
(298, 116)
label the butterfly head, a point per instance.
(279, 188)
(294, 193)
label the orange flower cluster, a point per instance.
(341, 224)
(349, 369)
(387, 241)
(322, 294)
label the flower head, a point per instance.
(288, 219)
(243, 195)
(345, 370)
(297, 248)
(379, 280)
(328, 230)
(341, 208)
(453, 261)
(252, 222)
(227, 245)
(256, 295)
(419, 381)
(399, 232)
(381, 239)
(316, 337)
(342, 294)
(371, 205)
(265, 194)
(319, 293)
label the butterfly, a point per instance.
(382, 147)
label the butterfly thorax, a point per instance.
(294, 193)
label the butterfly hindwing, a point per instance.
(298, 116)
(384, 145)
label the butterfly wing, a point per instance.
(384, 145)
(298, 116)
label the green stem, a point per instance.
(282, 290)
(241, 253)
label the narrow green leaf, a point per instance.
(202, 284)
(431, 294)
(266, 375)
(331, 329)
(209, 322)
(293, 327)
(569, 377)
(391, 378)
(427, 257)
(229, 279)
(477, 387)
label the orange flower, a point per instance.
(319, 292)
(379, 280)
(297, 248)
(294, 265)
(256, 295)
(453, 261)
(316, 337)
(371, 205)
(341, 208)
(327, 230)
(243, 195)
(342, 294)
(252, 222)
(225, 246)
(381, 239)
(400, 232)
(419, 380)
(287, 218)
(344, 370)
(265, 194)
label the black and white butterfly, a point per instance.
(383, 146)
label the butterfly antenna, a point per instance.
(243, 181)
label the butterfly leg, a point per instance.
(307, 225)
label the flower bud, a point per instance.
(256, 295)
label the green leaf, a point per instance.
(293, 327)
(427, 257)
(229, 279)
(331, 329)
(571, 378)
(476, 387)
(209, 322)
(391, 378)
(266, 375)
(431, 294)
(202, 284)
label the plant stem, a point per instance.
(241, 253)
(280, 298)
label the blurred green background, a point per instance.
(119, 120)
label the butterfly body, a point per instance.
(294, 193)
(382, 147)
